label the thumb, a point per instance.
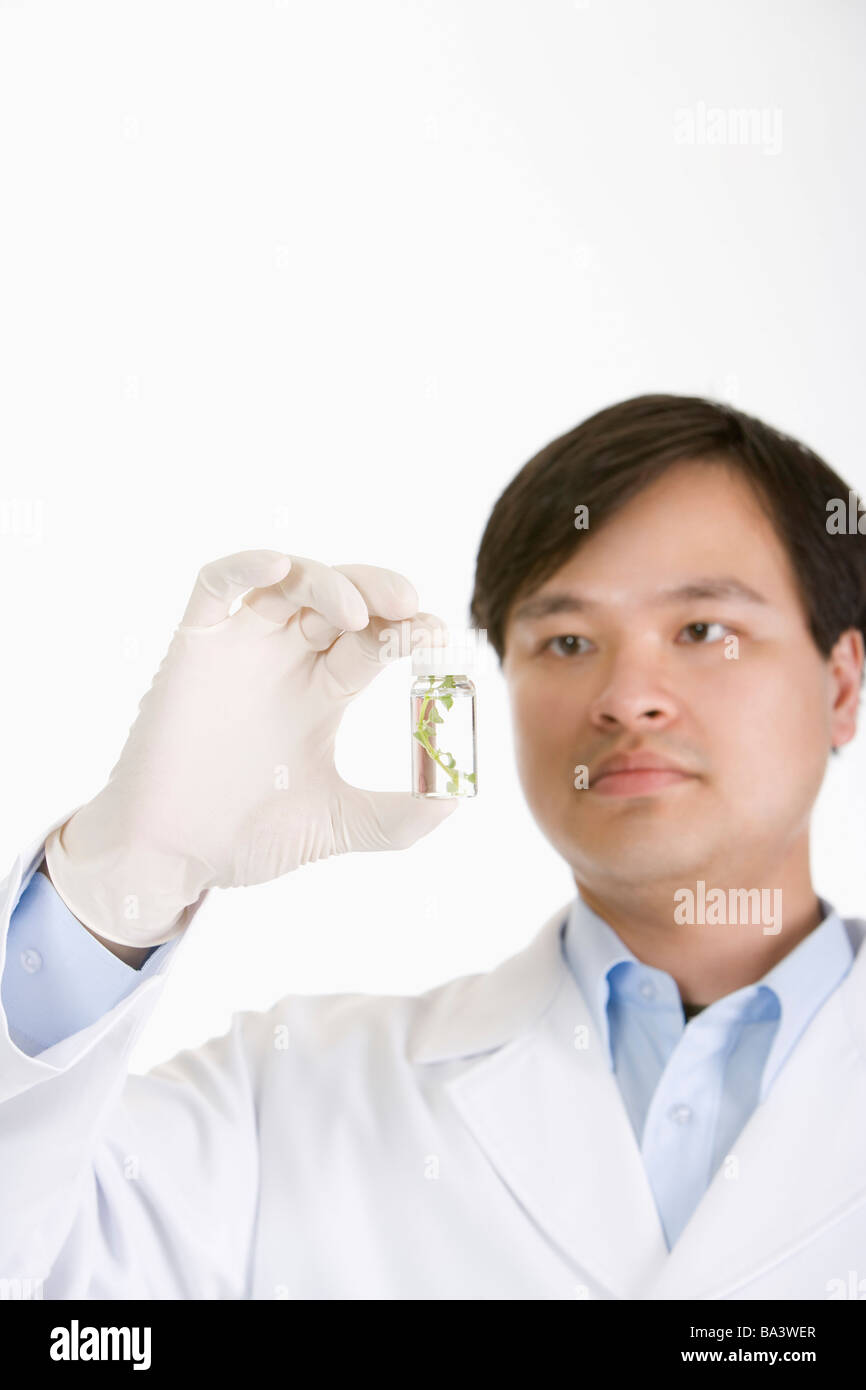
(405, 818)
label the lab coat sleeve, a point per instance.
(115, 1185)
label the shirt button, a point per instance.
(680, 1114)
(31, 960)
(647, 990)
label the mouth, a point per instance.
(642, 781)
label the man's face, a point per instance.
(646, 663)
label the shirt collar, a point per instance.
(803, 980)
(592, 948)
(800, 982)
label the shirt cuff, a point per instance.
(57, 978)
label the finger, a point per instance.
(386, 593)
(356, 657)
(221, 581)
(311, 588)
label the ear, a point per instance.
(845, 667)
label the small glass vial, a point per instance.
(442, 708)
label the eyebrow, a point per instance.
(721, 588)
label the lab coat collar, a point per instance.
(545, 1109)
(478, 1012)
(798, 1165)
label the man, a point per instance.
(661, 1096)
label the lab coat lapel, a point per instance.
(543, 1104)
(799, 1161)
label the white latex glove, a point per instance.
(227, 777)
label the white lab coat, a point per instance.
(453, 1145)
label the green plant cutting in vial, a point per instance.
(435, 697)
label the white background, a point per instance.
(322, 277)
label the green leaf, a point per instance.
(448, 701)
(436, 717)
(470, 777)
(452, 788)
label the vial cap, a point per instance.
(444, 659)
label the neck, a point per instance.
(724, 938)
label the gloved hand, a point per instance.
(227, 777)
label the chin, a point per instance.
(626, 861)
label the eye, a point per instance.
(703, 630)
(564, 637)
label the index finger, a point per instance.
(219, 583)
(312, 585)
(386, 594)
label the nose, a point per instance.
(634, 696)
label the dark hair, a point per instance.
(615, 453)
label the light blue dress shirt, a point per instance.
(689, 1087)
